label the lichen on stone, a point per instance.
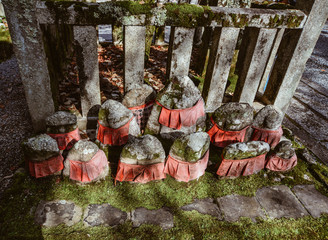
(238, 151)
(114, 114)
(40, 148)
(142, 151)
(190, 148)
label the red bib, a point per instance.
(272, 137)
(47, 167)
(176, 118)
(114, 136)
(142, 113)
(88, 171)
(66, 140)
(221, 138)
(275, 163)
(185, 171)
(244, 167)
(139, 173)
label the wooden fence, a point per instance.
(274, 41)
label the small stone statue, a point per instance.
(283, 157)
(86, 163)
(142, 160)
(62, 126)
(229, 123)
(242, 159)
(267, 125)
(140, 101)
(188, 157)
(179, 110)
(116, 124)
(42, 156)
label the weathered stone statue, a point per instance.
(188, 157)
(242, 159)
(86, 163)
(116, 124)
(140, 101)
(179, 110)
(42, 156)
(283, 157)
(229, 123)
(267, 125)
(142, 160)
(62, 126)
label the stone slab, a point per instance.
(54, 213)
(235, 206)
(204, 206)
(279, 201)
(103, 214)
(308, 120)
(312, 98)
(313, 201)
(162, 217)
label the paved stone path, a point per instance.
(269, 202)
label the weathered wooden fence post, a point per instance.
(28, 47)
(296, 48)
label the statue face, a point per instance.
(233, 116)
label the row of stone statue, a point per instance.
(176, 113)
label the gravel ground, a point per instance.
(15, 123)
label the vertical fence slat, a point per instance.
(254, 52)
(134, 56)
(273, 54)
(179, 52)
(87, 61)
(221, 54)
(29, 50)
(285, 76)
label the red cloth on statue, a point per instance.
(244, 167)
(66, 140)
(88, 171)
(177, 118)
(142, 113)
(221, 138)
(139, 173)
(114, 136)
(186, 171)
(275, 163)
(272, 137)
(47, 167)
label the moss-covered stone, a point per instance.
(238, 151)
(190, 148)
(61, 122)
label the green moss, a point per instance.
(102, 115)
(180, 148)
(16, 216)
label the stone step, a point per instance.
(272, 202)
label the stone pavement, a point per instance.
(307, 116)
(269, 203)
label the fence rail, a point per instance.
(288, 36)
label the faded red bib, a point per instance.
(221, 138)
(66, 140)
(142, 113)
(185, 171)
(244, 167)
(88, 171)
(275, 163)
(114, 136)
(272, 137)
(47, 167)
(139, 173)
(177, 118)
